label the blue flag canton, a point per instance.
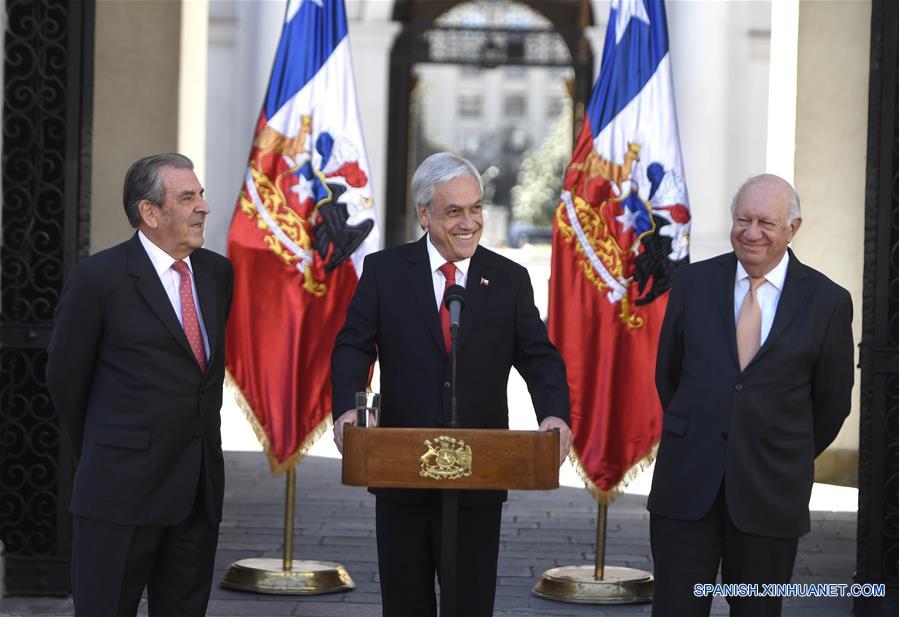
(636, 41)
(307, 41)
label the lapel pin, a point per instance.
(485, 282)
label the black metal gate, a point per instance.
(48, 83)
(878, 473)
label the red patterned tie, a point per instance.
(449, 272)
(189, 318)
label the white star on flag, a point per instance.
(626, 218)
(627, 10)
(303, 188)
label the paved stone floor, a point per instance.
(540, 530)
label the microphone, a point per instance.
(454, 299)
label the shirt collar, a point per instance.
(438, 260)
(776, 276)
(161, 260)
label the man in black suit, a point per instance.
(754, 373)
(135, 370)
(395, 316)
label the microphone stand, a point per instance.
(454, 418)
(450, 512)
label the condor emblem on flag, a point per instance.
(302, 227)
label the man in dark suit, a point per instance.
(395, 316)
(754, 373)
(135, 370)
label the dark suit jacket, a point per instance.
(760, 429)
(393, 316)
(143, 419)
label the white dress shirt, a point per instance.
(171, 282)
(437, 277)
(768, 293)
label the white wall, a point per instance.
(830, 152)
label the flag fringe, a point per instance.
(277, 467)
(607, 497)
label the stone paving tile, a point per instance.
(313, 609)
(249, 607)
(540, 530)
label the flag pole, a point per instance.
(602, 515)
(599, 583)
(287, 576)
(290, 506)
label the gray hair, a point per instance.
(439, 168)
(794, 212)
(142, 182)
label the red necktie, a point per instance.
(189, 319)
(449, 272)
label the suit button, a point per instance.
(738, 387)
(447, 385)
(724, 436)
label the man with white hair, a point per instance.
(754, 373)
(397, 316)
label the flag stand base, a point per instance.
(596, 584)
(303, 578)
(578, 584)
(287, 576)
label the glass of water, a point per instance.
(368, 409)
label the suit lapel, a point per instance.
(150, 287)
(208, 304)
(423, 289)
(728, 272)
(791, 298)
(474, 293)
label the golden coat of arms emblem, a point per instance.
(446, 458)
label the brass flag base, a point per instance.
(578, 584)
(287, 576)
(304, 577)
(599, 583)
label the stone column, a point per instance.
(829, 170)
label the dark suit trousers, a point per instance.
(409, 556)
(112, 564)
(689, 552)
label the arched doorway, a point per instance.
(480, 37)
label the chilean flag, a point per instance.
(303, 224)
(620, 231)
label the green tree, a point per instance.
(536, 195)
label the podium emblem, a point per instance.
(446, 458)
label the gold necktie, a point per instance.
(749, 324)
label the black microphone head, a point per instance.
(454, 293)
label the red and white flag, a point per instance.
(303, 224)
(620, 231)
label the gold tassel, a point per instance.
(278, 468)
(607, 497)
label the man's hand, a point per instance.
(565, 437)
(348, 417)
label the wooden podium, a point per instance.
(451, 460)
